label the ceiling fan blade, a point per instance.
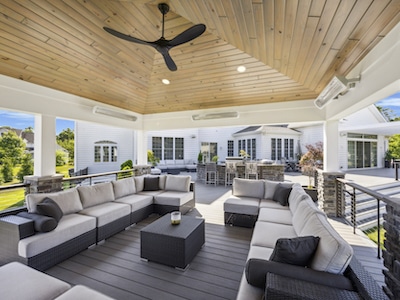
(126, 37)
(168, 61)
(188, 35)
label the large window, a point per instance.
(282, 148)
(249, 146)
(209, 150)
(168, 148)
(105, 151)
(362, 151)
(230, 148)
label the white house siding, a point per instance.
(310, 135)
(87, 134)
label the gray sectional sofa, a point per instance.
(18, 281)
(89, 214)
(292, 240)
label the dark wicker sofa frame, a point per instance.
(14, 228)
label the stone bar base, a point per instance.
(391, 255)
(327, 193)
(43, 184)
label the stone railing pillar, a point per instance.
(391, 255)
(43, 184)
(327, 194)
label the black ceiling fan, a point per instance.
(163, 45)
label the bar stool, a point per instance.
(250, 170)
(211, 173)
(230, 171)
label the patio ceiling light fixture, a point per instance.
(338, 86)
(97, 110)
(221, 115)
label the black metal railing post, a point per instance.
(379, 227)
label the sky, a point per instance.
(22, 121)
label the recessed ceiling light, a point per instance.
(165, 81)
(241, 69)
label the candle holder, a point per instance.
(176, 218)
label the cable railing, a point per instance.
(355, 190)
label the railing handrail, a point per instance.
(99, 174)
(13, 186)
(378, 196)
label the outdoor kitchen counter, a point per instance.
(265, 171)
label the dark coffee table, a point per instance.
(172, 245)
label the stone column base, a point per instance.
(327, 193)
(43, 184)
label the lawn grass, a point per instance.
(373, 235)
(16, 197)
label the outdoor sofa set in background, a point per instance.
(294, 253)
(87, 215)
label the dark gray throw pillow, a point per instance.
(41, 223)
(48, 207)
(151, 184)
(295, 251)
(281, 194)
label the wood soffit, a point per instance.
(291, 49)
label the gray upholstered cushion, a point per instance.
(266, 234)
(83, 292)
(303, 212)
(243, 205)
(136, 201)
(296, 195)
(248, 188)
(19, 281)
(139, 183)
(173, 198)
(107, 212)
(333, 253)
(177, 183)
(269, 189)
(124, 187)
(91, 195)
(41, 223)
(69, 227)
(68, 201)
(280, 216)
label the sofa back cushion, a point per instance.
(96, 194)
(296, 196)
(333, 253)
(124, 187)
(67, 200)
(305, 209)
(270, 188)
(248, 188)
(177, 183)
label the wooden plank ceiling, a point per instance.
(290, 48)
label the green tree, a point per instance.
(26, 167)
(66, 139)
(394, 146)
(7, 170)
(12, 147)
(151, 158)
(61, 158)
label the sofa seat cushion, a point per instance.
(151, 193)
(69, 227)
(124, 187)
(107, 212)
(173, 198)
(136, 201)
(248, 188)
(242, 205)
(265, 234)
(68, 201)
(272, 204)
(83, 292)
(333, 252)
(272, 215)
(92, 195)
(19, 281)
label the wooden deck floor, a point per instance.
(116, 269)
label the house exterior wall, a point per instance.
(87, 134)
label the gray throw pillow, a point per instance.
(151, 184)
(41, 223)
(281, 194)
(295, 251)
(48, 207)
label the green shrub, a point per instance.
(7, 170)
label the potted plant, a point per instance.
(388, 158)
(200, 157)
(215, 158)
(308, 163)
(243, 154)
(154, 160)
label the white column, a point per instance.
(331, 146)
(45, 145)
(141, 147)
